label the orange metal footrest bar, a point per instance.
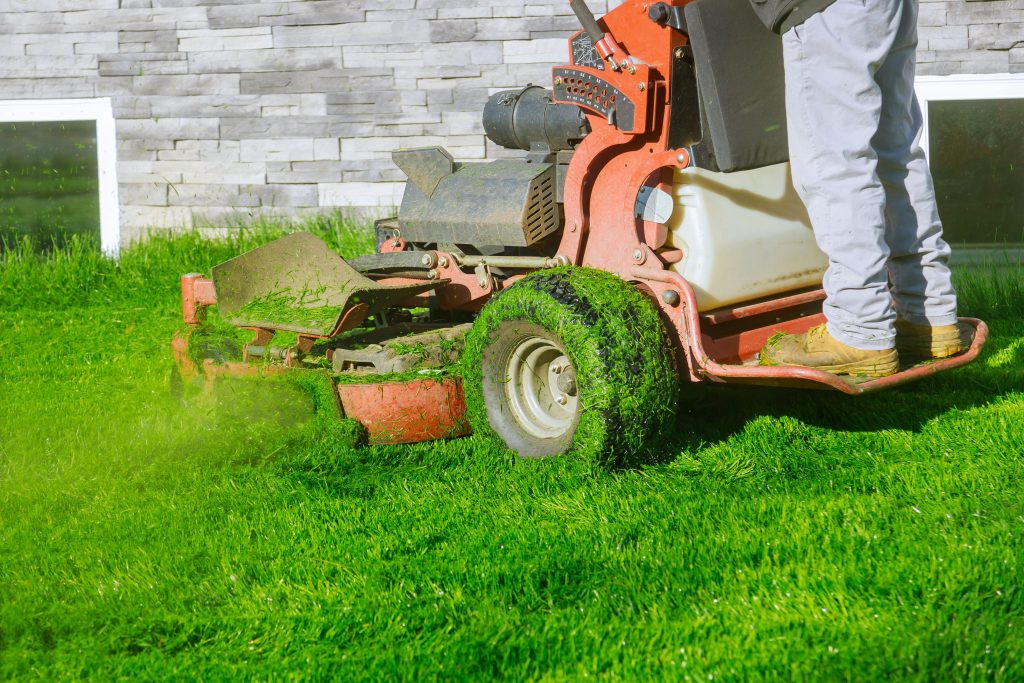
(705, 367)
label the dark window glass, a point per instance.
(977, 161)
(49, 182)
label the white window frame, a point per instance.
(100, 110)
(971, 87)
(965, 87)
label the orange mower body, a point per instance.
(650, 113)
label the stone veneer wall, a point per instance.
(970, 37)
(235, 107)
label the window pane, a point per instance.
(49, 181)
(977, 154)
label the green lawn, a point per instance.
(781, 535)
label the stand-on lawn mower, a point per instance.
(650, 236)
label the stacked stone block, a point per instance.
(232, 108)
(970, 37)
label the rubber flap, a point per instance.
(297, 283)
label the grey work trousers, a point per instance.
(854, 131)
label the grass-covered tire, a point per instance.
(570, 360)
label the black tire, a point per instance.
(618, 391)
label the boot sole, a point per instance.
(864, 369)
(871, 368)
(929, 352)
(932, 347)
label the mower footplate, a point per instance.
(298, 284)
(976, 332)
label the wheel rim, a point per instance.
(541, 388)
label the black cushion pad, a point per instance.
(741, 83)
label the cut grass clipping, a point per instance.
(780, 534)
(286, 309)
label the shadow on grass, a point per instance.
(713, 414)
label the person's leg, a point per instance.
(834, 105)
(918, 255)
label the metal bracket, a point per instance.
(303, 345)
(483, 276)
(257, 348)
(196, 294)
(668, 15)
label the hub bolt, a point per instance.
(562, 399)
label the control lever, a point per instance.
(588, 20)
(604, 44)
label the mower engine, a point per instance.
(503, 207)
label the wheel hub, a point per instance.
(541, 387)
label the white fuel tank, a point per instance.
(744, 235)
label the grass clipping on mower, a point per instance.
(614, 338)
(287, 310)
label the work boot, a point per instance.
(925, 342)
(818, 349)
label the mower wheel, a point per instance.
(570, 360)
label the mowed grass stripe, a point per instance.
(781, 534)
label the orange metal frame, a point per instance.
(607, 171)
